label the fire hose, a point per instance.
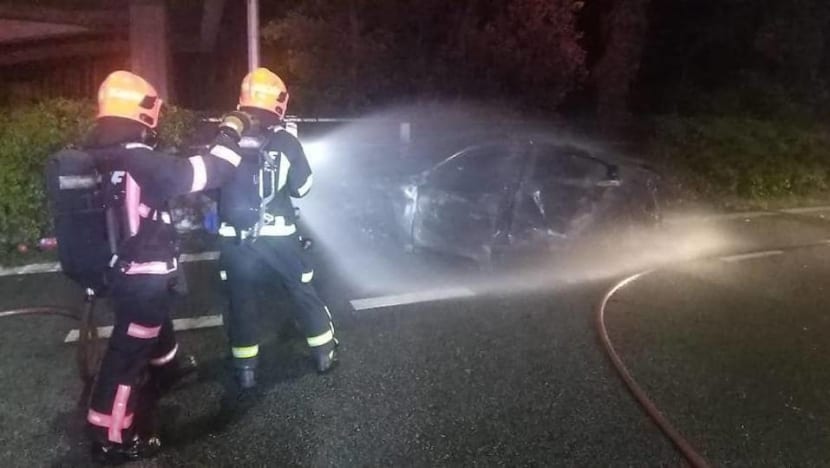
(88, 354)
(692, 456)
(686, 449)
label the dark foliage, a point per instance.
(344, 56)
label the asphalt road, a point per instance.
(512, 376)
(736, 355)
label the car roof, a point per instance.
(529, 141)
(457, 144)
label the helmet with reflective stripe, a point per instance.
(263, 89)
(127, 95)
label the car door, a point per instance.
(564, 188)
(463, 201)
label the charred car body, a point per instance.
(521, 194)
(514, 191)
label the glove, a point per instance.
(236, 123)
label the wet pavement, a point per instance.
(503, 377)
(736, 355)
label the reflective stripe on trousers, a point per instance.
(321, 340)
(245, 352)
(118, 420)
(160, 361)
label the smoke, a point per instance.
(359, 165)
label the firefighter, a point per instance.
(260, 243)
(141, 358)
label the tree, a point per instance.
(531, 48)
(329, 55)
(624, 28)
(764, 58)
(349, 55)
(793, 44)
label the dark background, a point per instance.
(596, 61)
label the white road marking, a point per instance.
(199, 257)
(31, 269)
(743, 215)
(411, 298)
(8, 313)
(812, 209)
(195, 323)
(37, 268)
(718, 217)
(751, 256)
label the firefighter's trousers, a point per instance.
(248, 265)
(142, 338)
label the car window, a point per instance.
(478, 170)
(563, 185)
(567, 165)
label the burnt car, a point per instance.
(522, 194)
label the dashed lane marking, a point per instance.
(744, 215)
(199, 257)
(812, 209)
(195, 323)
(411, 298)
(37, 268)
(751, 256)
(31, 269)
(719, 217)
(210, 321)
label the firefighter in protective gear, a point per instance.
(141, 358)
(260, 243)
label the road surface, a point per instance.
(493, 370)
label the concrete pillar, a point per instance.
(149, 44)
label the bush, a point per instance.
(743, 158)
(176, 126)
(28, 136)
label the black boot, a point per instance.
(147, 424)
(245, 370)
(137, 448)
(174, 373)
(325, 357)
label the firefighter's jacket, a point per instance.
(141, 181)
(256, 201)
